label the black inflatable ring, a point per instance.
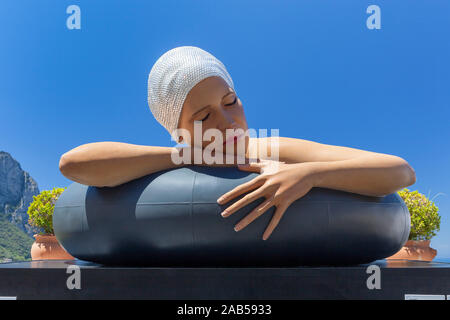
(171, 218)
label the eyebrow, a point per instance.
(201, 109)
(198, 111)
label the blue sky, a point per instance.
(310, 68)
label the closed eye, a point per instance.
(230, 104)
(205, 117)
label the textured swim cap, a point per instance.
(173, 75)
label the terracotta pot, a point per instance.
(46, 247)
(415, 250)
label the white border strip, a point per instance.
(424, 296)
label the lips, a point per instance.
(232, 139)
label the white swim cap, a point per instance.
(173, 75)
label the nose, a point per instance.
(226, 121)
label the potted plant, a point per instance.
(40, 213)
(425, 222)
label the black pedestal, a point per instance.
(57, 280)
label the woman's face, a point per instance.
(217, 106)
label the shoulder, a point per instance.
(293, 150)
(265, 147)
(280, 141)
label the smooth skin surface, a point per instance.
(301, 164)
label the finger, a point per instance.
(246, 167)
(243, 202)
(239, 159)
(254, 163)
(274, 221)
(258, 211)
(241, 189)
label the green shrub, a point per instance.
(425, 219)
(40, 211)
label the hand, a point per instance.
(227, 160)
(280, 183)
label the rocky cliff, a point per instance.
(17, 189)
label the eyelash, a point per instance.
(230, 104)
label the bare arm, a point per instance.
(372, 175)
(348, 169)
(109, 164)
(113, 163)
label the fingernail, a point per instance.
(236, 228)
(219, 200)
(224, 213)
